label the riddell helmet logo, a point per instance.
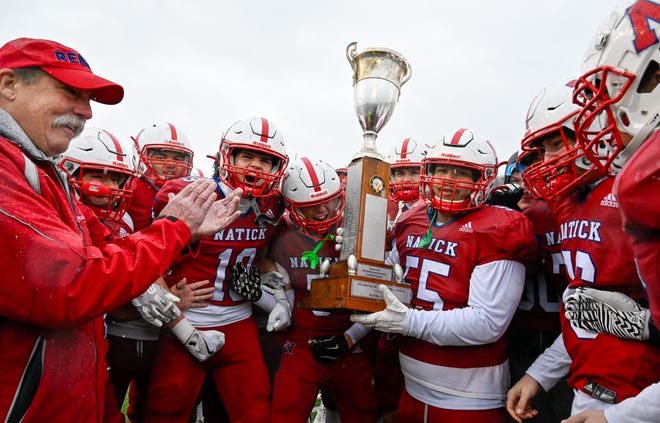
(262, 144)
(450, 156)
(319, 194)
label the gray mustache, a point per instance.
(72, 121)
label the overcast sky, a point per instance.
(202, 65)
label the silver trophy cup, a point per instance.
(378, 74)
(352, 282)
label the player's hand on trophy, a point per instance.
(245, 282)
(157, 305)
(327, 349)
(608, 312)
(391, 319)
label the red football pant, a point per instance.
(238, 372)
(414, 411)
(349, 380)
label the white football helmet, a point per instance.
(98, 150)
(552, 113)
(461, 148)
(313, 184)
(162, 137)
(405, 155)
(260, 136)
(614, 89)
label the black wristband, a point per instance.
(654, 334)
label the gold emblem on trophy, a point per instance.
(352, 282)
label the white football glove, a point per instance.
(157, 305)
(280, 316)
(391, 319)
(607, 312)
(271, 281)
(202, 344)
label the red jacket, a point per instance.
(59, 276)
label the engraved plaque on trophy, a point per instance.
(352, 282)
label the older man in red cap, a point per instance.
(61, 272)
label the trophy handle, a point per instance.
(350, 54)
(408, 74)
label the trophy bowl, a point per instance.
(378, 74)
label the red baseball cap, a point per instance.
(62, 63)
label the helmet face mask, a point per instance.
(550, 136)
(258, 140)
(97, 152)
(602, 146)
(162, 152)
(618, 89)
(313, 195)
(407, 157)
(458, 173)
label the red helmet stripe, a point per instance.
(404, 148)
(173, 133)
(312, 174)
(118, 148)
(457, 136)
(264, 130)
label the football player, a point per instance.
(536, 324)
(595, 254)
(161, 152)
(620, 86)
(405, 164)
(466, 285)
(321, 348)
(252, 157)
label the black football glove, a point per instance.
(244, 282)
(506, 195)
(327, 349)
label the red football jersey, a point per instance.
(241, 241)
(440, 273)
(142, 202)
(637, 187)
(545, 279)
(287, 249)
(597, 253)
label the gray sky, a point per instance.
(202, 65)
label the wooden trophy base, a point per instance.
(352, 292)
